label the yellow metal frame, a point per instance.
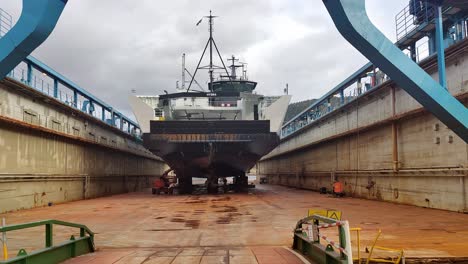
(369, 258)
(4, 242)
(5, 251)
(358, 238)
(334, 214)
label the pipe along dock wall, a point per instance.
(53, 153)
(383, 146)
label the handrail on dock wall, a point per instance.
(90, 102)
(52, 253)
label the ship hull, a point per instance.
(226, 158)
(207, 149)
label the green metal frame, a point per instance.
(52, 254)
(313, 249)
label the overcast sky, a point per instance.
(110, 47)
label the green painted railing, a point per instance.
(307, 240)
(52, 254)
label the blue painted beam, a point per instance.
(37, 20)
(352, 22)
(75, 98)
(55, 88)
(342, 97)
(29, 75)
(103, 114)
(440, 47)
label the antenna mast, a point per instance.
(211, 67)
(210, 22)
(234, 67)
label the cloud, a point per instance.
(112, 47)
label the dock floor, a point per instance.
(254, 227)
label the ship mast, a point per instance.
(210, 22)
(211, 43)
(183, 71)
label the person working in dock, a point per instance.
(338, 189)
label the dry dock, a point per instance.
(236, 228)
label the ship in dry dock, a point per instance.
(212, 133)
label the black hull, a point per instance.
(210, 148)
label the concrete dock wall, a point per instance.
(383, 146)
(53, 153)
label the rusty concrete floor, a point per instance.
(235, 228)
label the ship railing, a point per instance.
(37, 75)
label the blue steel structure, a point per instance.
(440, 44)
(37, 21)
(414, 29)
(353, 23)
